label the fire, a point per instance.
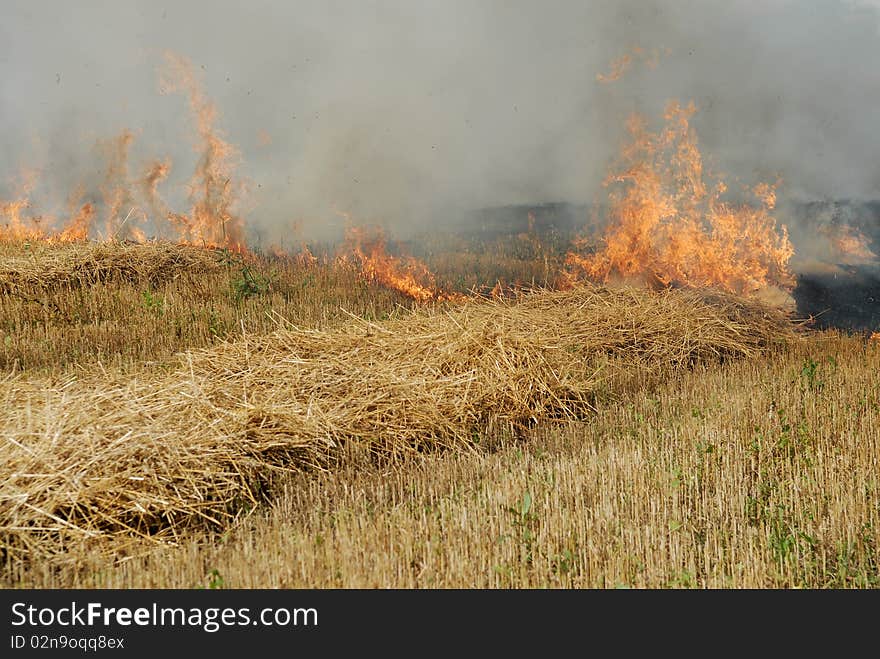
(304, 257)
(116, 189)
(668, 223)
(401, 273)
(14, 225)
(155, 173)
(77, 230)
(128, 206)
(875, 336)
(849, 244)
(212, 220)
(668, 226)
(619, 67)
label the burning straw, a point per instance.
(154, 456)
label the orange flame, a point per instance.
(211, 220)
(155, 173)
(14, 226)
(401, 273)
(213, 195)
(849, 244)
(497, 291)
(116, 189)
(78, 228)
(304, 257)
(620, 66)
(667, 228)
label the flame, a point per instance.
(116, 188)
(126, 203)
(617, 69)
(620, 66)
(849, 244)
(669, 228)
(304, 257)
(78, 228)
(401, 273)
(875, 336)
(155, 173)
(212, 193)
(497, 291)
(14, 225)
(14, 228)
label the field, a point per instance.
(185, 417)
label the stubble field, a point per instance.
(180, 417)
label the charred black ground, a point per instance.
(837, 295)
(848, 299)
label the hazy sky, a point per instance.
(411, 111)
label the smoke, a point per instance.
(413, 114)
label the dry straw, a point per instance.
(81, 264)
(109, 456)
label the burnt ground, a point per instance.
(843, 296)
(848, 299)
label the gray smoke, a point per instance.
(411, 113)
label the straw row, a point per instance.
(112, 456)
(76, 265)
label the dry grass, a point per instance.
(65, 307)
(753, 474)
(157, 454)
(597, 440)
(44, 267)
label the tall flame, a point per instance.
(667, 226)
(14, 225)
(155, 173)
(213, 194)
(116, 189)
(77, 230)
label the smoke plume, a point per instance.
(412, 115)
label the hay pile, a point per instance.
(83, 264)
(110, 457)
